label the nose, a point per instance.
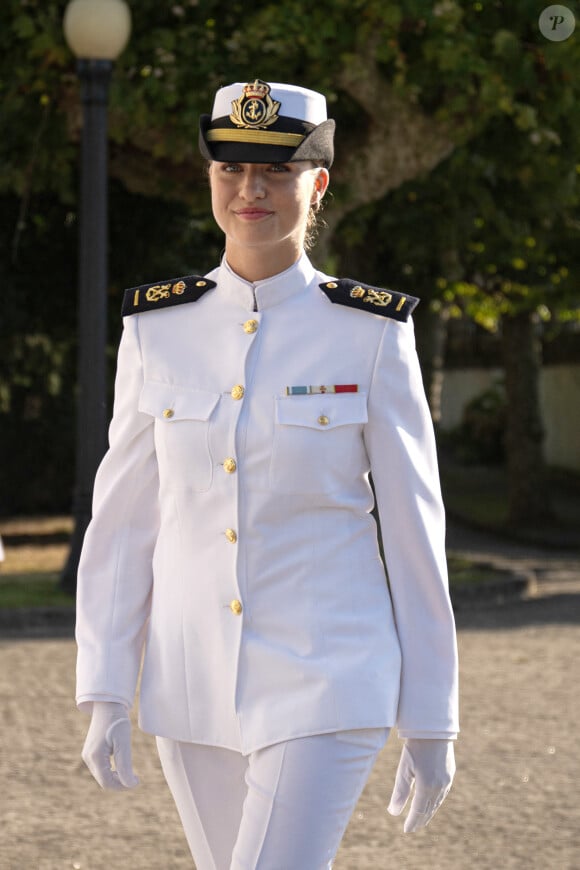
(253, 184)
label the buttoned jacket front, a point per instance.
(232, 537)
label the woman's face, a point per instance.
(265, 205)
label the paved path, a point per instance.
(515, 802)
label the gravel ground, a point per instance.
(515, 801)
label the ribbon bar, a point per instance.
(316, 390)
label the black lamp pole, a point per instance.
(91, 432)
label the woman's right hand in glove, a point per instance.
(109, 737)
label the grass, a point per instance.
(477, 496)
(40, 589)
(464, 573)
(36, 550)
(32, 590)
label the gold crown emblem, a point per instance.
(256, 90)
(255, 108)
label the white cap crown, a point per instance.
(295, 102)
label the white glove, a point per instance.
(110, 735)
(430, 764)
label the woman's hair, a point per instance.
(314, 223)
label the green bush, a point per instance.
(480, 436)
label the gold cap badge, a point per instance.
(255, 108)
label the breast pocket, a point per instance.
(182, 423)
(318, 445)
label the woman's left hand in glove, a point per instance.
(430, 765)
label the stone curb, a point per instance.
(516, 584)
(37, 622)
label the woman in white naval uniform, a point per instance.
(232, 539)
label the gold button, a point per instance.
(323, 420)
(250, 326)
(230, 465)
(332, 285)
(237, 392)
(168, 412)
(200, 283)
(231, 536)
(236, 606)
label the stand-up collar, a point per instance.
(266, 293)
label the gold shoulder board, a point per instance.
(376, 300)
(151, 297)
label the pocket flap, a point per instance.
(322, 412)
(172, 403)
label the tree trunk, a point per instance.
(527, 485)
(431, 339)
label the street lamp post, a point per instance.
(97, 32)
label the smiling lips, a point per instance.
(253, 214)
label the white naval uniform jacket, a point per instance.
(256, 589)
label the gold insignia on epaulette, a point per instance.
(379, 297)
(178, 288)
(158, 292)
(357, 293)
(255, 108)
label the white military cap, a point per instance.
(259, 122)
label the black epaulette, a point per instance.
(175, 292)
(387, 303)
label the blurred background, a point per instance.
(457, 179)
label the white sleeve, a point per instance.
(401, 447)
(115, 571)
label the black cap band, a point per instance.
(282, 143)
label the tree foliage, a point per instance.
(456, 176)
(454, 65)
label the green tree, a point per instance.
(462, 100)
(497, 223)
(474, 240)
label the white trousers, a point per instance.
(284, 807)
